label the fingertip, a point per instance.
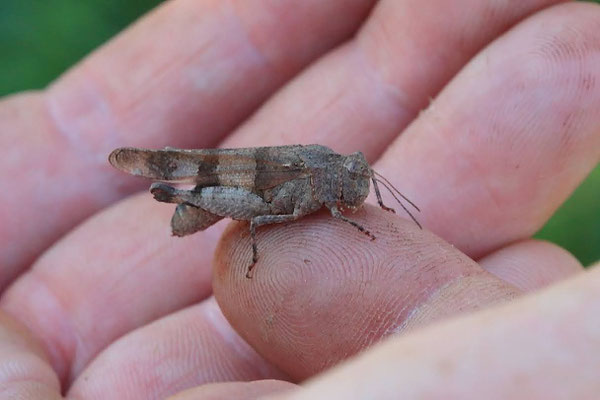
(321, 291)
(531, 264)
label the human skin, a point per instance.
(111, 306)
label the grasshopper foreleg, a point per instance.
(335, 212)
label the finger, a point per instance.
(235, 390)
(542, 346)
(184, 76)
(118, 271)
(361, 95)
(510, 137)
(189, 348)
(24, 369)
(322, 291)
(187, 63)
(531, 264)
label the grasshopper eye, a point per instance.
(356, 169)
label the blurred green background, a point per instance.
(39, 39)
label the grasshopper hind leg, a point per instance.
(188, 219)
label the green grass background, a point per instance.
(39, 39)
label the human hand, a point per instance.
(117, 308)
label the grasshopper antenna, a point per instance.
(388, 185)
(383, 178)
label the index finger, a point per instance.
(510, 137)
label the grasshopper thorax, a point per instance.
(356, 174)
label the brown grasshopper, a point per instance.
(263, 185)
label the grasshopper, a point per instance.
(263, 185)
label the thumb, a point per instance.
(322, 291)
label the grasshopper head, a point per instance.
(356, 174)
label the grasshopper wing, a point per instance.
(252, 168)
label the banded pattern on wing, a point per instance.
(251, 168)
